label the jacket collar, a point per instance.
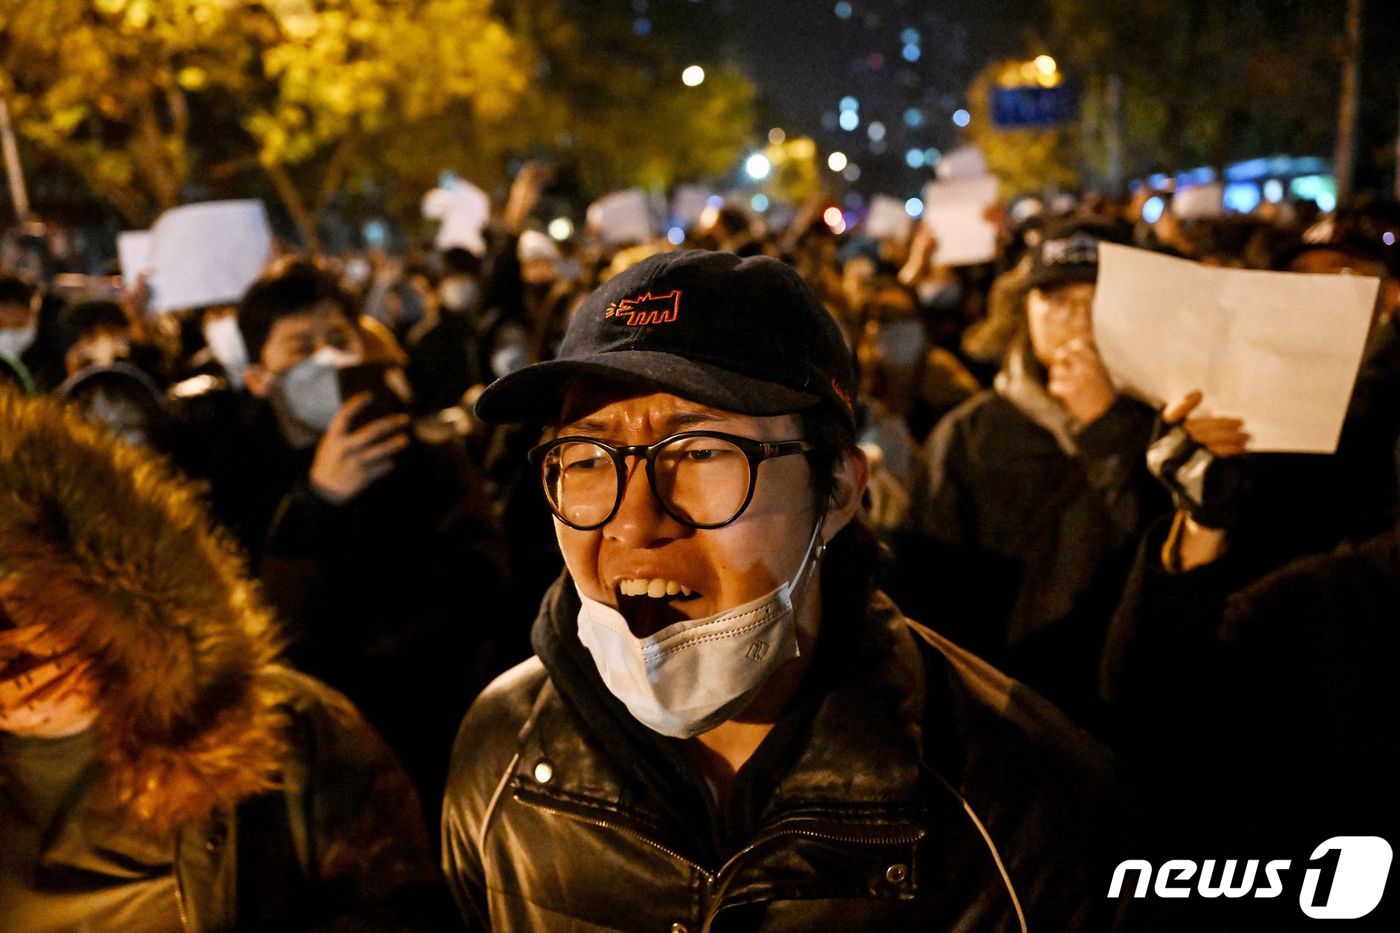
(1021, 388)
(865, 697)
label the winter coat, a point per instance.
(393, 597)
(1025, 525)
(1303, 659)
(1259, 713)
(910, 786)
(265, 790)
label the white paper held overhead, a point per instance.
(888, 219)
(955, 213)
(464, 210)
(207, 254)
(133, 254)
(621, 218)
(1277, 349)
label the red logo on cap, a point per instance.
(647, 309)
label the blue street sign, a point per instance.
(1033, 106)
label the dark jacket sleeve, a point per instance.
(477, 782)
(1112, 448)
(355, 819)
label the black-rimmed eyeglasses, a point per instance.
(704, 479)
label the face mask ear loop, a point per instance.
(810, 558)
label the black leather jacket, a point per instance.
(924, 790)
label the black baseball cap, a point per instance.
(740, 334)
(1068, 251)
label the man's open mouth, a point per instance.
(649, 605)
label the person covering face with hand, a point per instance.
(1036, 490)
(725, 724)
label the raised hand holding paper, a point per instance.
(1278, 349)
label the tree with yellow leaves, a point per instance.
(142, 97)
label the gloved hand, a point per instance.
(1197, 460)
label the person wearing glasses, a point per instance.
(725, 724)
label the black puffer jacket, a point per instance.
(912, 787)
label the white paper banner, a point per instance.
(962, 163)
(689, 202)
(1278, 349)
(207, 254)
(464, 210)
(133, 255)
(888, 219)
(955, 213)
(621, 218)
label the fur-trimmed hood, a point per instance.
(110, 544)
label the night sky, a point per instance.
(806, 56)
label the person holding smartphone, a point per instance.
(377, 548)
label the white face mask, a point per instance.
(13, 342)
(693, 675)
(311, 389)
(226, 343)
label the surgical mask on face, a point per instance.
(693, 675)
(458, 294)
(310, 390)
(14, 341)
(902, 342)
(226, 343)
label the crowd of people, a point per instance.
(257, 561)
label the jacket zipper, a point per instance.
(910, 836)
(710, 877)
(717, 903)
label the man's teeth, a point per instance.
(655, 588)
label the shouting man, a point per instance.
(725, 725)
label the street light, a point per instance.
(836, 161)
(757, 166)
(693, 76)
